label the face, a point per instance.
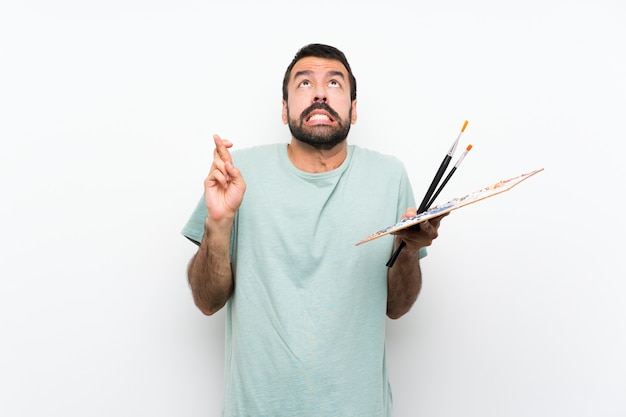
(318, 109)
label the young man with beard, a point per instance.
(276, 229)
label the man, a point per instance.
(277, 227)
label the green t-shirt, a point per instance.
(305, 326)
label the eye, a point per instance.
(334, 84)
(305, 83)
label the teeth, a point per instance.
(319, 117)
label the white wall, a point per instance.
(106, 116)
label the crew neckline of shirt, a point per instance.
(284, 156)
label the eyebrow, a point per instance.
(333, 73)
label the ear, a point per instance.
(353, 121)
(284, 113)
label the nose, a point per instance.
(320, 94)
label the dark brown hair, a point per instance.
(319, 50)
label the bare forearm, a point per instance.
(209, 271)
(404, 283)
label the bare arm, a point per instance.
(209, 270)
(404, 282)
(404, 279)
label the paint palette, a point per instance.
(453, 204)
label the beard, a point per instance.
(322, 137)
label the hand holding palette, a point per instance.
(453, 204)
(425, 212)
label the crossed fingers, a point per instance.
(222, 162)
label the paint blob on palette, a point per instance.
(454, 204)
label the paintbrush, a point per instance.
(427, 197)
(445, 181)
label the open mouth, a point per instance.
(317, 116)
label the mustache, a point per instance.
(320, 106)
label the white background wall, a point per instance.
(106, 116)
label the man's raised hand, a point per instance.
(224, 186)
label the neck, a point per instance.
(310, 159)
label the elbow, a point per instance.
(208, 309)
(396, 313)
(397, 309)
(210, 302)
